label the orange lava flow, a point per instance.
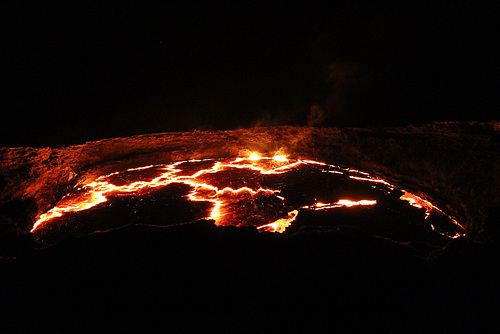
(96, 192)
(221, 197)
(412, 199)
(418, 202)
(281, 224)
(339, 204)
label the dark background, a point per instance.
(73, 72)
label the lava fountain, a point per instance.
(269, 193)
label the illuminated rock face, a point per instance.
(452, 165)
(240, 274)
(269, 193)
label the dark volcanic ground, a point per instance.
(202, 277)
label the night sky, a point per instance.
(74, 72)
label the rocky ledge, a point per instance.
(454, 165)
(200, 276)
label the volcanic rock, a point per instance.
(204, 277)
(454, 165)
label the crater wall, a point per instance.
(454, 165)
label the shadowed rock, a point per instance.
(451, 164)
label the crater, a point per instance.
(273, 194)
(399, 221)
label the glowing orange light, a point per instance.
(280, 158)
(97, 191)
(254, 157)
(412, 199)
(340, 203)
(369, 179)
(417, 202)
(421, 203)
(281, 224)
(349, 203)
(202, 190)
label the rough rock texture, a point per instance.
(454, 165)
(199, 276)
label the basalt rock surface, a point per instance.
(453, 165)
(199, 277)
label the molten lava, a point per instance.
(246, 191)
(339, 204)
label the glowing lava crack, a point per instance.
(266, 192)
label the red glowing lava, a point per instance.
(249, 190)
